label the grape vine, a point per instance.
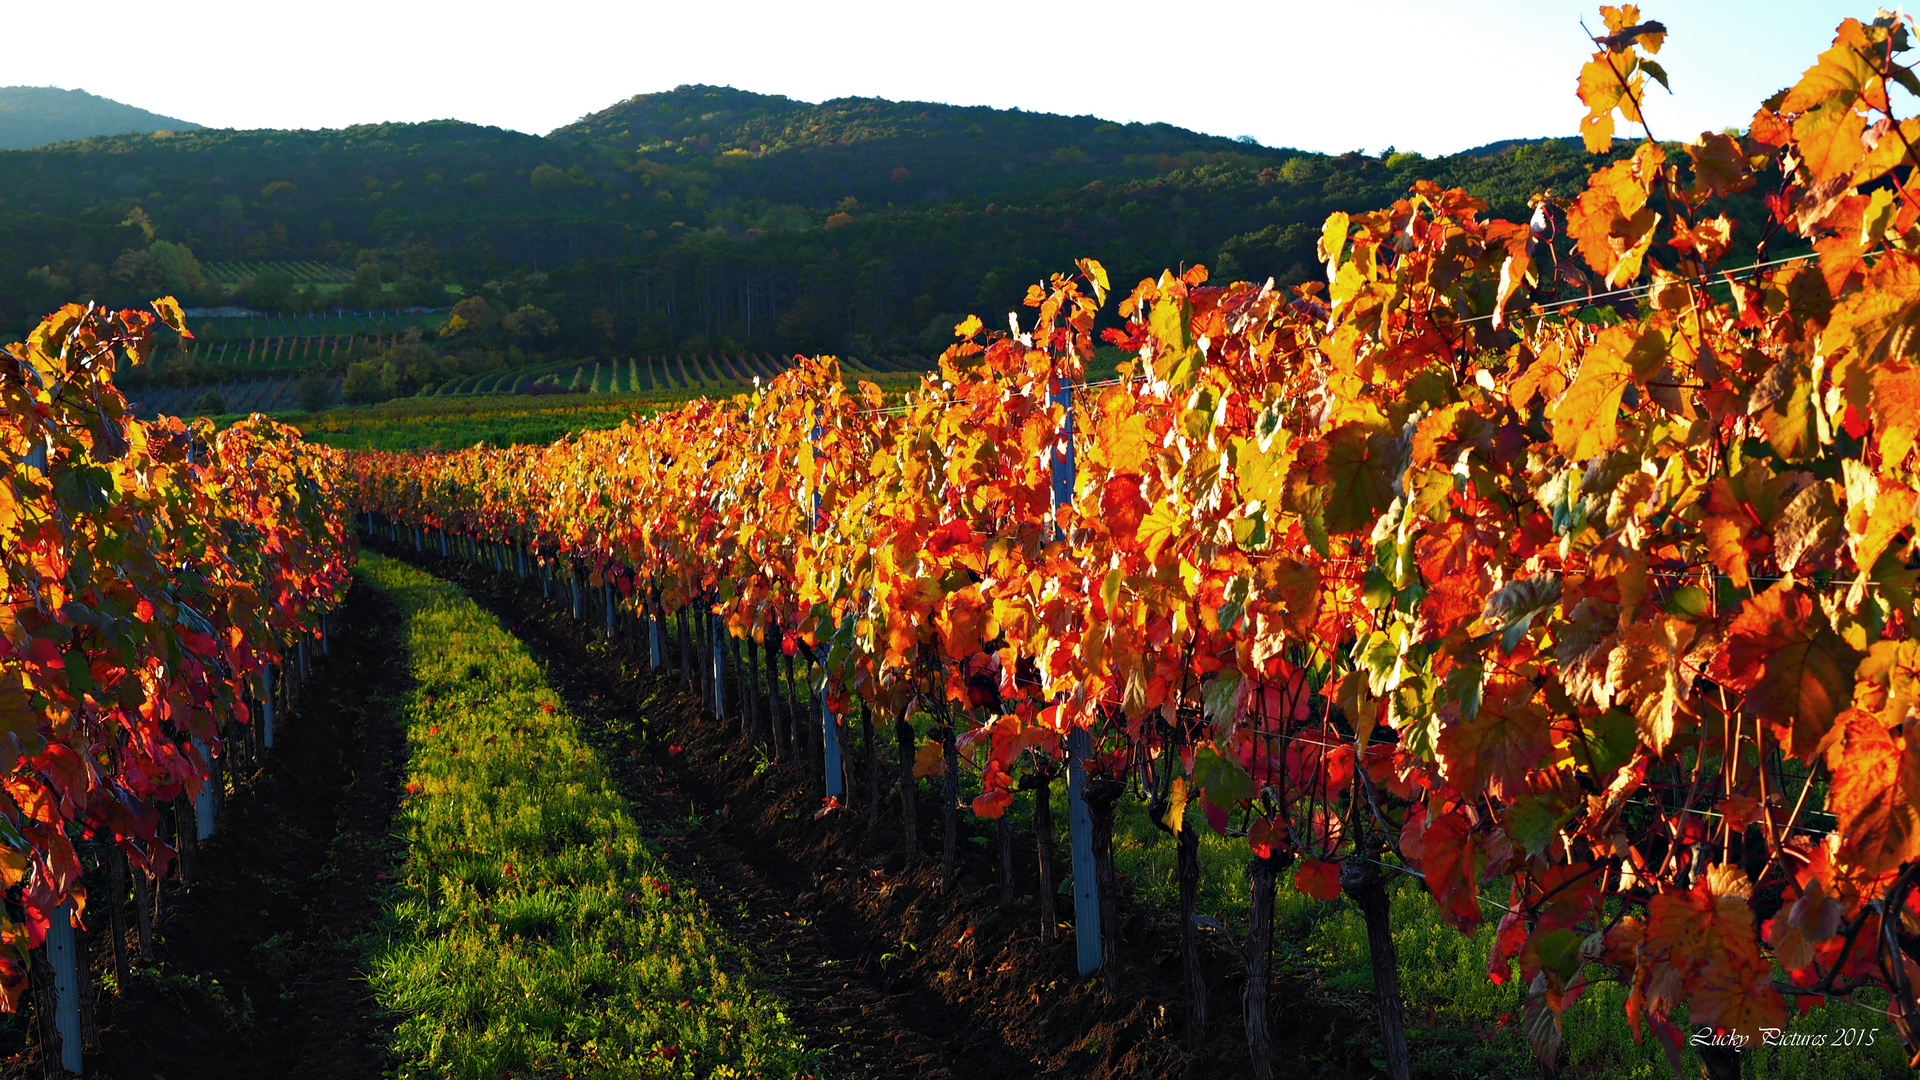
(148, 571)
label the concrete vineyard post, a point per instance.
(1086, 891)
(266, 706)
(829, 724)
(653, 639)
(63, 956)
(830, 742)
(203, 802)
(719, 667)
(1086, 895)
(606, 594)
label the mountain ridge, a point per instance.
(701, 217)
(35, 116)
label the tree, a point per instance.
(366, 288)
(179, 270)
(315, 392)
(269, 290)
(472, 313)
(137, 268)
(365, 384)
(806, 327)
(1282, 252)
(530, 323)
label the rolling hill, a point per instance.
(698, 220)
(33, 116)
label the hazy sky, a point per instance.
(1332, 76)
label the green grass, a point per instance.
(534, 930)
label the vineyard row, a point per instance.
(161, 585)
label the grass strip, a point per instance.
(533, 931)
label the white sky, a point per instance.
(1435, 77)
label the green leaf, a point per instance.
(83, 489)
(1225, 783)
(1197, 420)
(1376, 656)
(79, 672)
(1250, 532)
(1533, 821)
(1239, 589)
(1465, 683)
(1560, 498)
(1610, 739)
(1559, 952)
(1171, 322)
(1690, 601)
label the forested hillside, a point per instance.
(702, 218)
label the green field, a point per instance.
(490, 412)
(534, 931)
(435, 423)
(539, 403)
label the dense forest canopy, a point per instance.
(701, 218)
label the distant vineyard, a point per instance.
(302, 273)
(270, 386)
(324, 324)
(251, 396)
(280, 343)
(712, 373)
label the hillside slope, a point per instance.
(38, 115)
(702, 218)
